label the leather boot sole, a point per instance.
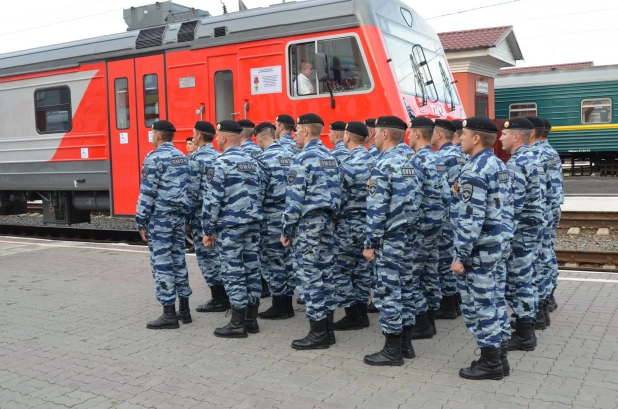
(383, 363)
(245, 335)
(168, 326)
(307, 348)
(185, 320)
(493, 377)
(200, 308)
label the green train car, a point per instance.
(580, 100)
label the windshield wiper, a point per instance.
(420, 56)
(447, 87)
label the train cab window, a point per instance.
(121, 90)
(224, 95)
(596, 111)
(151, 99)
(302, 72)
(522, 109)
(53, 110)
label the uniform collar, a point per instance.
(425, 148)
(519, 150)
(165, 145)
(275, 144)
(247, 141)
(233, 149)
(446, 145)
(313, 142)
(358, 150)
(486, 151)
(340, 145)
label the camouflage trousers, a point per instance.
(393, 295)
(166, 242)
(543, 264)
(519, 275)
(207, 257)
(238, 248)
(557, 212)
(448, 281)
(352, 274)
(425, 254)
(501, 283)
(277, 260)
(313, 244)
(480, 293)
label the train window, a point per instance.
(53, 110)
(224, 95)
(151, 99)
(522, 109)
(596, 111)
(121, 90)
(302, 73)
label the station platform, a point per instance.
(73, 334)
(576, 203)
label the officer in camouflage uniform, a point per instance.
(426, 233)
(528, 208)
(162, 208)
(352, 274)
(285, 125)
(482, 187)
(371, 139)
(388, 224)
(451, 161)
(275, 162)
(458, 124)
(312, 201)
(339, 151)
(231, 219)
(246, 141)
(207, 258)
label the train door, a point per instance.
(222, 74)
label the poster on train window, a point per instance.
(266, 80)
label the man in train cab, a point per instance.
(246, 141)
(303, 84)
(191, 147)
(162, 208)
(528, 211)
(232, 214)
(352, 272)
(451, 160)
(275, 161)
(312, 201)
(337, 129)
(429, 199)
(482, 189)
(387, 230)
(207, 258)
(371, 139)
(555, 172)
(543, 262)
(284, 127)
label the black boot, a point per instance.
(553, 305)
(422, 329)
(504, 351)
(217, 301)
(316, 339)
(513, 324)
(458, 305)
(540, 324)
(289, 306)
(265, 289)
(362, 310)
(523, 337)
(278, 311)
(251, 318)
(432, 320)
(236, 327)
(407, 350)
(390, 355)
(488, 367)
(330, 326)
(352, 320)
(166, 321)
(300, 301)
(184, 313)
(546, 312)
(448, 309)
(372, 308)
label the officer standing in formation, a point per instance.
(334, 227)
(337, 129)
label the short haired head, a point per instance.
(484, 127)
(247, 128)
(312, 122)
(206, 130)
(165, 128)
(395, 126)
(518, 125)
(446, 127)
(424, 125)
(265, 129)
(357, 131)
(285, 121)
(547, 127)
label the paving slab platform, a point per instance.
(73, 335)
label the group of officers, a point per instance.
(435, 233)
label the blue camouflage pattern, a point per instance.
(340, 152)
(557, 184)
(162, 208)
(251, 148)
(405, 150)
(287, 141)
(373, 150)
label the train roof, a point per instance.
(577, 75)
(285, 19)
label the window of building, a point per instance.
(347, 70)
(151, 99)
(523, 109)
(480, 103)
(121, 90)
(53, 110)
(596, 111)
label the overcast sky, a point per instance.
(548, 31)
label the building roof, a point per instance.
(541, 68)
(466, 40)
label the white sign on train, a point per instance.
(266, 80)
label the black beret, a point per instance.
(357, 128)
(229, 126)
(390, 122)
(261, 126)
(480, 123)
(245, 123)
(547, 124)
(190, 139)
(337, 126)
(458, 124)
(421, 122)
(371, 122)
(309, 119)
(163, 126)
(444, 124)
(285, 119)
(204, 126)
(537, 122)
(518, 123)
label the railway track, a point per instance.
(589, 219)
(592, 260)
(72, 234)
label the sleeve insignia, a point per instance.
(372, 187)
(466, 192)
(291, 177)
(144, 172)
(210, 174)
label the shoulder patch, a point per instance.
(408, 172)
(210, 174)
(179, 161)
(540, 170)
(441, 168)
(144, 172)
(372, 187)
(466, 191)
(245, 166)
(328, 163)
(370, 166)
(461, 160)
(410, 155)
(503, 176)
(285, 161)
(291, 177)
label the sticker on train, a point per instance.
(186, 82)
(266, 80)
